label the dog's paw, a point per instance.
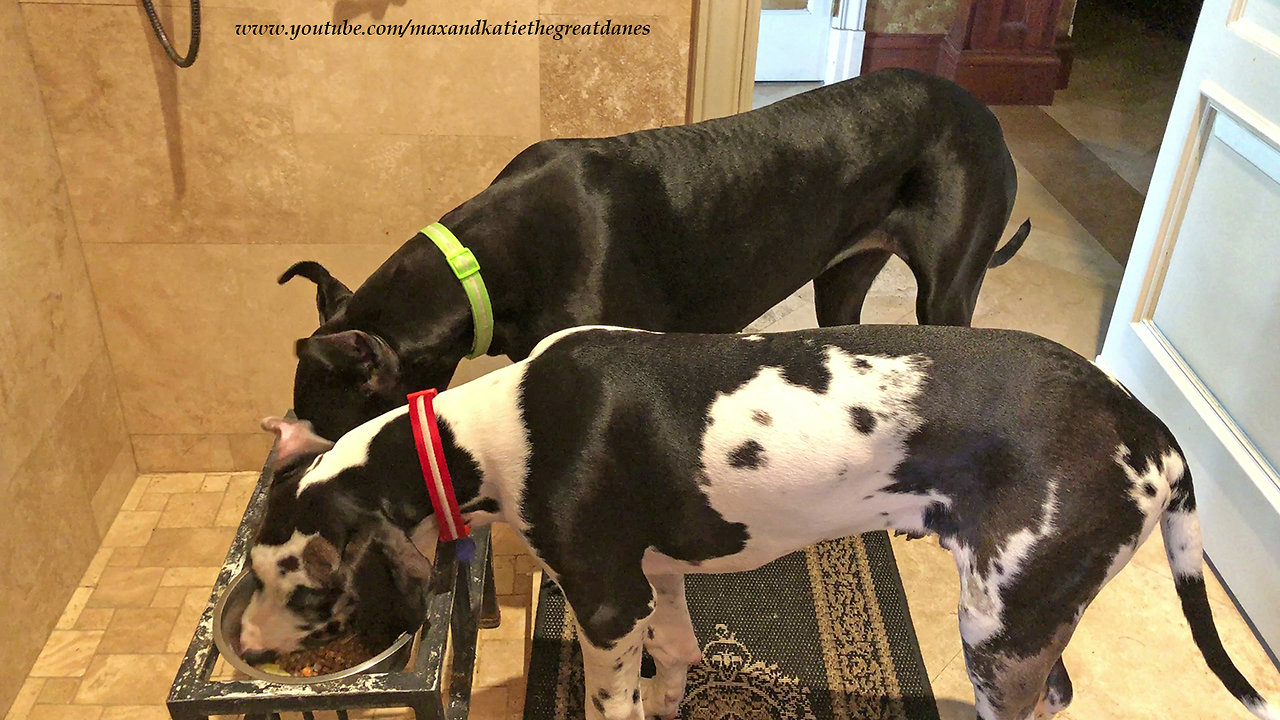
(660, 703)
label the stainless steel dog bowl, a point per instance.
(226, 634)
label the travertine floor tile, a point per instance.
(126, 587)
(515, 620)
(137, 630)
(79, 598)
(125, 557)
(94, 619)
(499, 662)
(506, 541)
(201, 577)
(153, 501)
(515, 697)
(187, 547)
(489, 703)
(190, 510)
(58, 691)
(504, 574)
(135, 712)
(953, 692)
(933, 589)
(131, 529)
(239, 489)
(215, 482)
(65, 712)
(66, 654)
(175, 482)
(128, 679)
(188, 615)
(169, 597)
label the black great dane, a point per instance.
(695, 228)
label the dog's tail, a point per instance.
(1004, 254)
(1180, 525)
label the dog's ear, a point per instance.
(388, 605)
(294, 439)
(412, 569)
(354, 353)
(320, 559)
(331, 295)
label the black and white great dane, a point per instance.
(697, 228)
(627, 459)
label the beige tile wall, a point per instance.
(192, 189)
(65, 459)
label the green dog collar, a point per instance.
(467, 269)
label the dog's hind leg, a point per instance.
(672, 644)
(841, 289)
(1018, 610)
(1008, 685)
(947, 234)
(1057, 691)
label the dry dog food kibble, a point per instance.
(331, 657)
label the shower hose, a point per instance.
(194, 46)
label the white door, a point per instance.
(1196, 329)
(793, 40)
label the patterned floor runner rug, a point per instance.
(822, 634)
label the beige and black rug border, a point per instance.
(854, 656)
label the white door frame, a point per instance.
(722, 67)
(848, 41)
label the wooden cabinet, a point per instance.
(1003, 50)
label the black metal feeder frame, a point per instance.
(462, 600)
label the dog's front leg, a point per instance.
(612, 675)
(673, 645)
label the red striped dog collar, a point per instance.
(426, 435)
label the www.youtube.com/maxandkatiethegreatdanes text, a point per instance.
(409, 28)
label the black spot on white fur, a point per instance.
(862, 419)
(748, 455)
(288, 564)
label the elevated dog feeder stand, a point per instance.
(421, 686)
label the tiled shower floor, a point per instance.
(117, 646)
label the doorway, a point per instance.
(794, 35)
(804, 44)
